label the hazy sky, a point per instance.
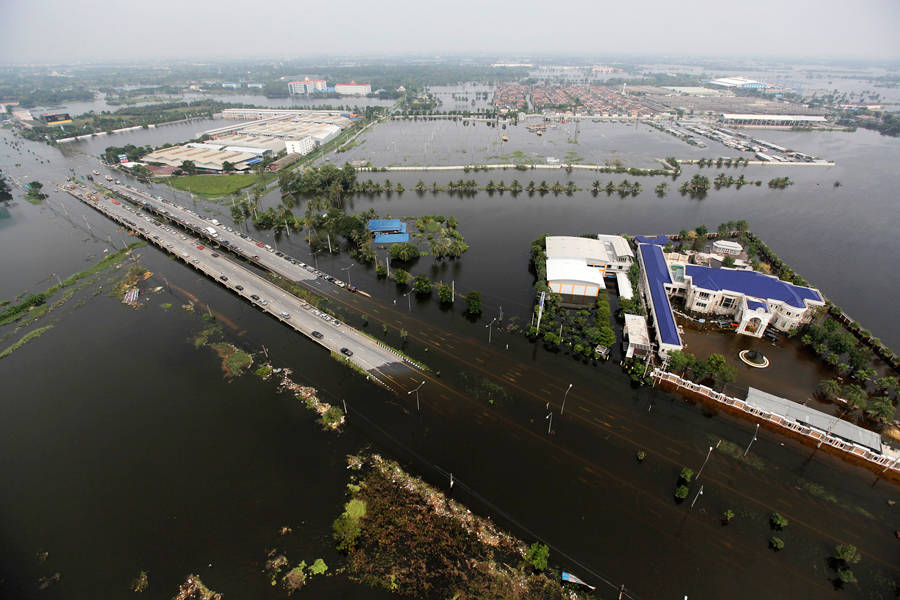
(67, 30)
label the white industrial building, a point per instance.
(302, 146)
(306, 86)
(738, 82)
(727, 247)
(353, 89)
(773, 120)
(206, 157)
(576, 266)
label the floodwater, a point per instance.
(132, 453)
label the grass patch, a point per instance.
(25, 339)
(213, 185)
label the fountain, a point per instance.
(754, 359)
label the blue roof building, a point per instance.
(660, 240)
(387, 226)
(753, 300)
(655, 278)
(391, 238)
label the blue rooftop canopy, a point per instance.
(657, 277)
(753, 305)
(386, 225)
(660, 240)
(751, 283)
(391, 238)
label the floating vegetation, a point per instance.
(209, 332)
(331, 417)
(264, 371)
(141, 583)
(45, 582)
(166, 305)
(193, 589)
(394, 524)
(483, 388)
(735, 451)
(25, 339)
(234, 360)
(16, 311)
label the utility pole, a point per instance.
(347, 268)
(330, 251)
(550, 425)
(57, 279)
(563, 409)
(489, 328)
(453, 291)
(753, 439)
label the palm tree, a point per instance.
(855, 396)
(829, 389)
(880, 410)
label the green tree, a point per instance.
(227, 167)
(401, 277)
(855, 396)
(728, 262)
(189, 167)
(538, 554)
(380, 271)
(880, 410)
(445, 293)
(681, 492)
(422, 285)
(829, 389)
(686, 475)
(777, 521)
(776, 543)
(473, 303)
(404, 252)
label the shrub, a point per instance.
(727, 516)
(537, 555)
(681, 492)
(776, 543)
(641, 455)
(686, 475)
(777, 521)
(473, 303)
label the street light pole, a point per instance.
(489, 328)
(563, 409)
(550, 425)
(753, 439)
(711, 448)
(417, 393)
(347, 268)
(699, 493)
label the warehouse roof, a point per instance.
(751, 283)
(660, 240)
(391, 238)
(378, 225)
(811, 118)
(814, 418)
(607, 248)
(573, 269)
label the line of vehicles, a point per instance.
(213, 233)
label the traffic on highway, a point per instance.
(295, 312)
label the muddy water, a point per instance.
(135, 454)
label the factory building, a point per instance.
(577, 266)
(739, 82)
(353, 89)
(306, 86)
(302, 146)
(773, 120)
